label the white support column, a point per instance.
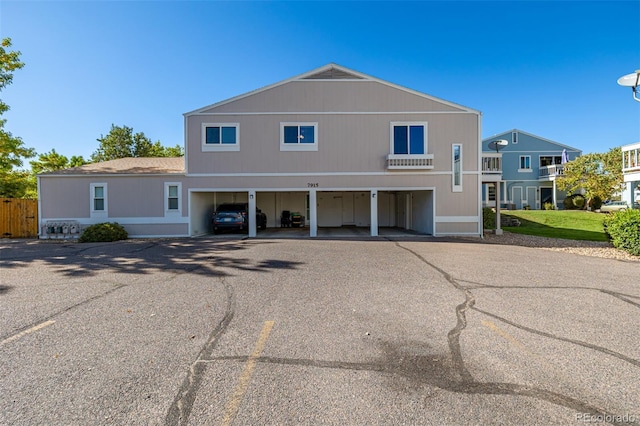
(252, 214)
(555, 200)
(407, 211)
(374, 212)
(313, 213)
(498, 225)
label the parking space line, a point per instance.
(28, 331)
(243, 382)
(509, 338)
(548, 363)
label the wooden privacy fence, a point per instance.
(18, 218)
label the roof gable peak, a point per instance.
(510, 132)
(332, 72)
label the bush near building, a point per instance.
(488, 218)
(575, 202)
(623, 228)
(103, 232)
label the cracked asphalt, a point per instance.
(369, 331)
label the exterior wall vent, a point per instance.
(333, 74)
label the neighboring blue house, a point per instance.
(530, 166)
(631, 173)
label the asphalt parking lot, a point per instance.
(361, 331)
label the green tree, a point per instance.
(51, 161)
(174, 151)
(14, 183)
(77, 161)
(121, 142)
(598, 174)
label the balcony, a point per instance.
(631, 162)
(548, 173)
(409, 162)
(491, 167)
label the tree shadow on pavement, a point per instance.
(210, 257)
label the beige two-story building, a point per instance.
(341, 147)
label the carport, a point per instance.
(389, 208)
(273, 203)
(412, 210)
(202, 204)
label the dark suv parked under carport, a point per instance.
(234, 217)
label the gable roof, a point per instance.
(121, 166)
(333, 71)
(570, 148)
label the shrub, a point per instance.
(548, 206)
(624, 230)
(568, 203)
(574, 202)
(103, 232)
(596, 203)
(578, 201)
(488, 218)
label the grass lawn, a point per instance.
(566, 224)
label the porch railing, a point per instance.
(630, 159)
(395, 161)
(551, 171)
(491, 163)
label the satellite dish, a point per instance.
(630, 80)
(498, 145)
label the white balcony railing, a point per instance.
(551, 172)
(631, 159)
(491, 163)
(407, 162)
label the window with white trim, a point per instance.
(514, 138)
(408, 138)
(456, 167)
(220, 137)
(525, 163)
(98, 199)
(491, 191)
(298, 136)
(550, 160)
(172, 197)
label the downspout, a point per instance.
(39, 206)
(480, 215)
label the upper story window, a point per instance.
(98, 199)
(298, 136)
(457, 167)
(549, 160)
(172, 192)
(525, 163)
(408, 138)
(514, 137)
(220, 137)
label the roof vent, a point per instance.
(333, 74)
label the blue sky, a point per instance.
(545, 67)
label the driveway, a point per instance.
(326, 232)
(329, 331)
